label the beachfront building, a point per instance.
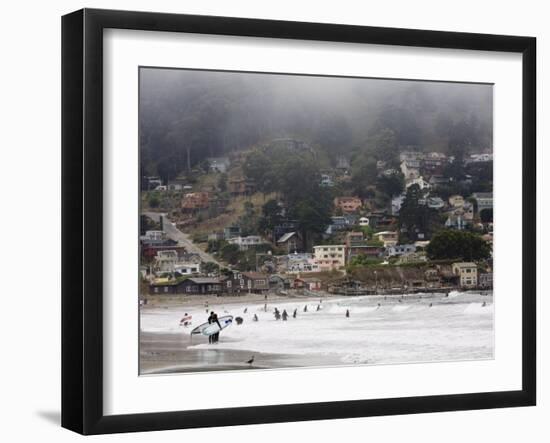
(311, 284)
(189, 286)
(247, 282)
(329, 257)
(301, 263)
(467, 272)
(486, 280)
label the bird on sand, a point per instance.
(251, 360)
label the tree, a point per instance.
(222, 182)
(210, 267)
(271, 216)
(486, 215)
(363, 175)
(248, 222)
(415, 218)
(391, 184)
(313, 214)
(461, 245)
(384, 146)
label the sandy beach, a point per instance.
(379, 330)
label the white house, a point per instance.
(398, 250)
(245, 243)
(301, 263)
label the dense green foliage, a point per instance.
(455, 244)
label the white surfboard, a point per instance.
(212, 328)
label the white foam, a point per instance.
(393, 332)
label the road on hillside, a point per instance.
(181, 237)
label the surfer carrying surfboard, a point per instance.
(211, 320)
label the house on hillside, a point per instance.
(348, 204)
(283, 228)
(388, 238)
(291, 242)
(338, 223)
(398, 250)
(245, 243)
(455, 221)
(438, 180)
(240, 186)
(342, 164)
(410, 169)
(231, 232)
(326, 181)
(194, 201)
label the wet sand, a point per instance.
(168, 354)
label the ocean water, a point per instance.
(392, 329)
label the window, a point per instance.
(166, 289)
(156, 290)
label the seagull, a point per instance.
(251, 360)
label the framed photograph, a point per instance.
(269, 221)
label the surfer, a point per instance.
(318, 308)
(277, 314)
(347, 313)
(255, 318)
(210, 337)
(431, 304)
(245, 310)
(295, 313)
(484, 304)
(265, 307)
(285, 315)
(305, 308)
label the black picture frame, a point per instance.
(82, 215)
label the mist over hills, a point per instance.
(186, 116)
